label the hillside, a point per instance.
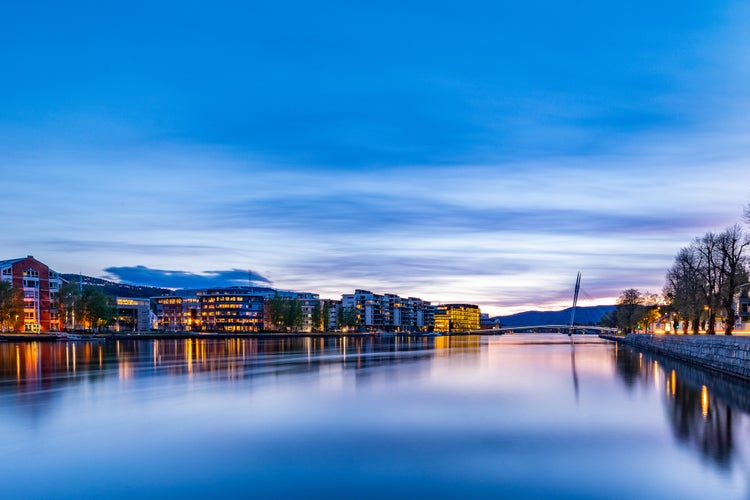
(117, 289)
(584, 316)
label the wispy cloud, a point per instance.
(366, 214)
(85, 245)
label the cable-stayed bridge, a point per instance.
(554, 321)
(593, 330)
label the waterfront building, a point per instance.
(346, 308)
(230, 311)
(308, 301)
(333, 313)
(132, 314)
(305, 301)
(227, 309)
(178, 313)
(424, 315)
(41, 289)
(369, 310)
(487, 323)
(456, 318)
(389, 312)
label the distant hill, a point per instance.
(118, 289)
(590, 315)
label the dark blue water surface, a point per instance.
(472, 417)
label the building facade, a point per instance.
(178, 313)
(451, 318)
(389, 312)
(227, 311)
(331, 308)
(308, 302)
(41, 292)
(132, 314)
(487, 323)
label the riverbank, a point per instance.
(730, 355)
(21, 337)
(46, 337)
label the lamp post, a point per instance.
(738, 316)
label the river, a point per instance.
(515, 416)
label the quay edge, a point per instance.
(729, 355)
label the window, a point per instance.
(8, 271)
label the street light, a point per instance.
(738, 317)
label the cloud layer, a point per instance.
(482, 152)
(142, 275)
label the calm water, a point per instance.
(512, 416)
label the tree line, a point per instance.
(701, 287)
(89, 306)
(706, 276)
(287, 314)
(634, 312)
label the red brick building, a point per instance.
(41, 289)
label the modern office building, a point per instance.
(227, 309)
(132, 315)
(456, 318)
(231, 311)
(178, 313)
(41, 289)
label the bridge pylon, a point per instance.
(575, 302)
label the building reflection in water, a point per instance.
(36, 366)
(703, 408)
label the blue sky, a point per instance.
(457, 151)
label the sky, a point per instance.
(480, 152)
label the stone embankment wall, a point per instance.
(726, 354)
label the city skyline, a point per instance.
(482, 153)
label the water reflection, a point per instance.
(480, 417)
(702, 407)
(34, 366)
(573, 366)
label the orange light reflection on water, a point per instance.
(704, 401)
(673, 384)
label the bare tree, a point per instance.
(708, 270)
(684, 289)
(631, 309)
(706, 275)
(731, 245)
